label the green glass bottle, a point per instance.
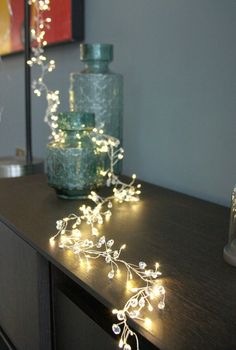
(97, 89)
(73, 164)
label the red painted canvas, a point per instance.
(66, 25)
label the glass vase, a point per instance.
(97, 89)
(73, 164)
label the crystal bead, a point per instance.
(86, 243)
(127, 347)
(133, 314)
(111, 274)
(116, 254)
(116, 329)
(90, 244)
(142, 302)
(120, 315)
(102, 240)
(109, 205)
(59, 224)
(161, 305)
(142, 265)
(134, 302)
(154, 274)
(110, 243)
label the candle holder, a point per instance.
(18, 166)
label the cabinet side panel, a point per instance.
(20, 292)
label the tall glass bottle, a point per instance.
(97, 89)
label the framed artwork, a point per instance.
(67, 23)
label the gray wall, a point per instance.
(178, 58)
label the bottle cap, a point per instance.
(96, 52)
(76, 120)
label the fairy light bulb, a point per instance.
(121, 343)
(148, 323)
(129, 285)
(52, 242)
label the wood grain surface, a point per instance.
(184, 234)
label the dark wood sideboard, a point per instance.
(49, 301)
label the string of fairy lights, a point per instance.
(39, 59)
(71, 235)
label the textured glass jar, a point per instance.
(230, 248)
(73, 164)
(98, 90)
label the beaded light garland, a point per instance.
(70, 237)
(39, 59)
(69, 232)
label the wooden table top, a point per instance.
(184, 234)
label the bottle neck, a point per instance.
(96, 67)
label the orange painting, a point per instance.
(64, 27)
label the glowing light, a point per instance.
(52, 242)
(148, 323)
(129, 285)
